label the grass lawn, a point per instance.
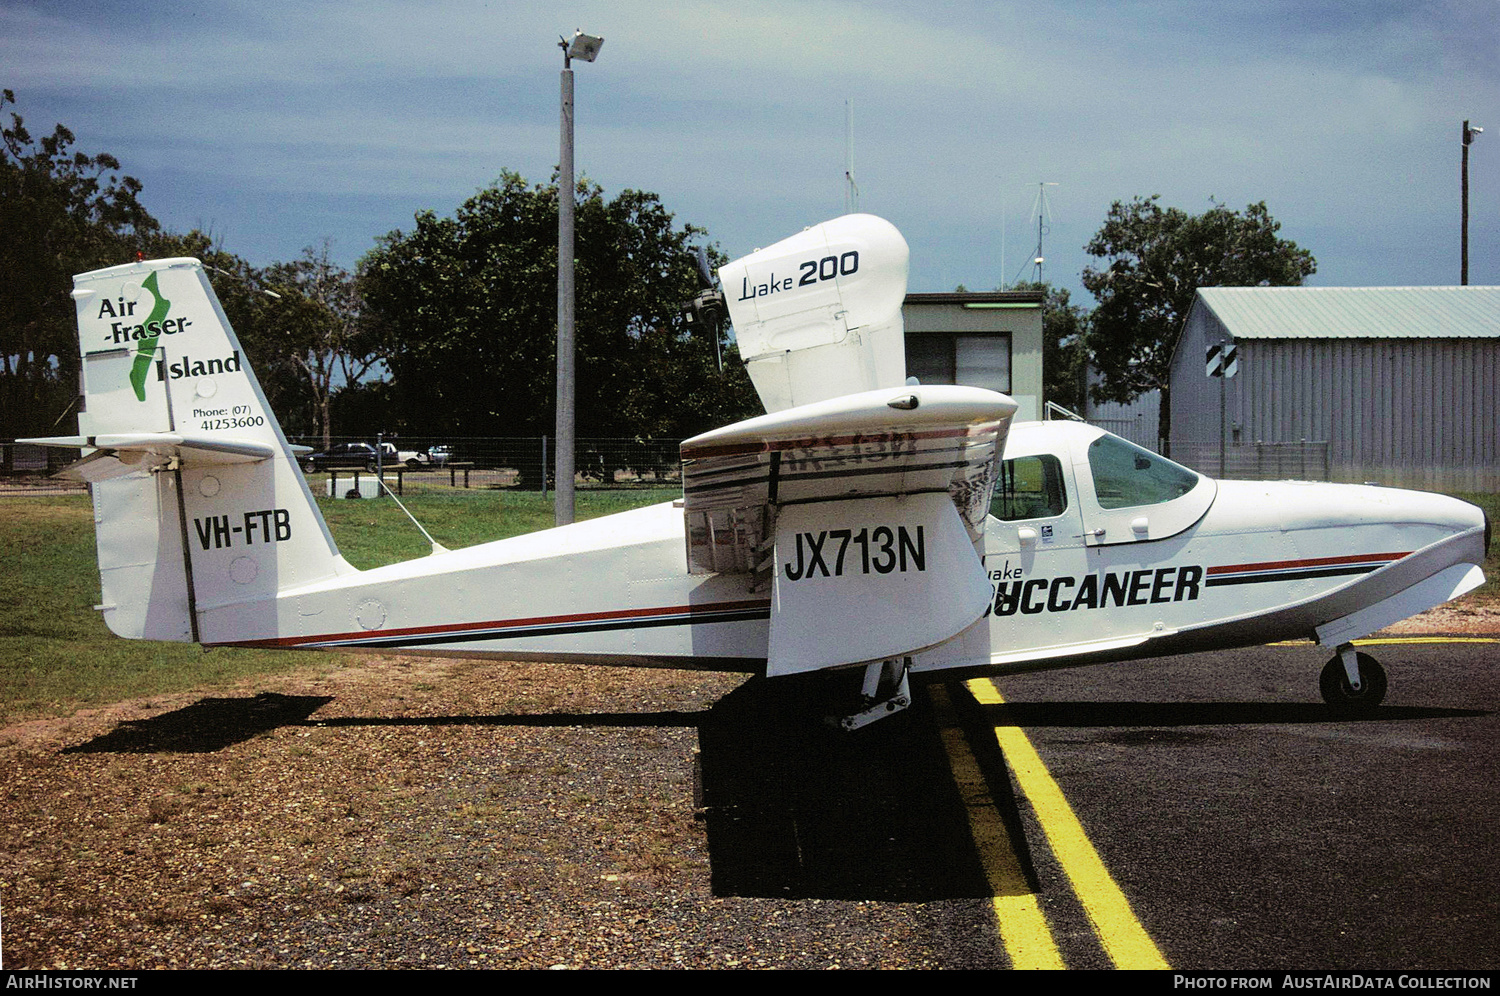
(56, 654)
(1488, 594)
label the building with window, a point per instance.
(991, 340)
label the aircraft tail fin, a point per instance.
(202, 516)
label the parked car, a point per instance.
(341, 455)
(412, 458)
(440, 455)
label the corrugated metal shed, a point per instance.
(1390, 384)
(1356, 312)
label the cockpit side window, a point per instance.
(1029, 488)
(1126, 475)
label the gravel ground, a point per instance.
(409, 812)
(439, 813)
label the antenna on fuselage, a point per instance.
(851, 189)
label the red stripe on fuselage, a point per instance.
(457, 628)
(1282, 565)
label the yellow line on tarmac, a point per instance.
(1124, 939)
(1376, 641)
(1023, 928)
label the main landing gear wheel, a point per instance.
(885, 691)
(1341, 695)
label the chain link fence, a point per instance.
(524, 462)
(26, 469)
(422, 463)
(1294, 461)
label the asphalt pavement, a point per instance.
(1250, 830)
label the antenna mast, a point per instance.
(1043, 216)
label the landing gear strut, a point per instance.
(885, 691)
(1352, 683)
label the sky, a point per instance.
(275, 125)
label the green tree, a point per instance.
(315, 323)
(62, 212)
(1153, 262)
(467, 308)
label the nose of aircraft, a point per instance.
(1440, 514)
(1458, 515)
(1367, 517)
(1450, 530)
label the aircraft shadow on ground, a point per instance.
(212, 724)
(1104, 714)
(795, 809)
(623, 720)
(207, 725)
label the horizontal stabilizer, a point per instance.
(118, 454)
(870, 580)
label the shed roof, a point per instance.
(981, 299)
(1355, 312)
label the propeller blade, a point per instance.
(705, 272)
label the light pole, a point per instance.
(1468, 136)
(585, 47)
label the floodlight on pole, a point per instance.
(585, 47)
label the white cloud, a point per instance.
(1328, 111)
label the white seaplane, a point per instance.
(865, 522)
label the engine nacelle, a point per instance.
(818, 315)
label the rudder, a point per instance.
(201, 514)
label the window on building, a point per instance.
(954, 358)
(983, 361)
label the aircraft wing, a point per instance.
(867, 509)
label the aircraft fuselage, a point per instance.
(1077, 576)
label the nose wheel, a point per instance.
(1352, 683)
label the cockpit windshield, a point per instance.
(1125, 475)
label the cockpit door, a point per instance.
(1128, 494)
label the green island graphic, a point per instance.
(145, 350)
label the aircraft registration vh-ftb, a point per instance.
(865, 521)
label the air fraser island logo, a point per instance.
(146, 334)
